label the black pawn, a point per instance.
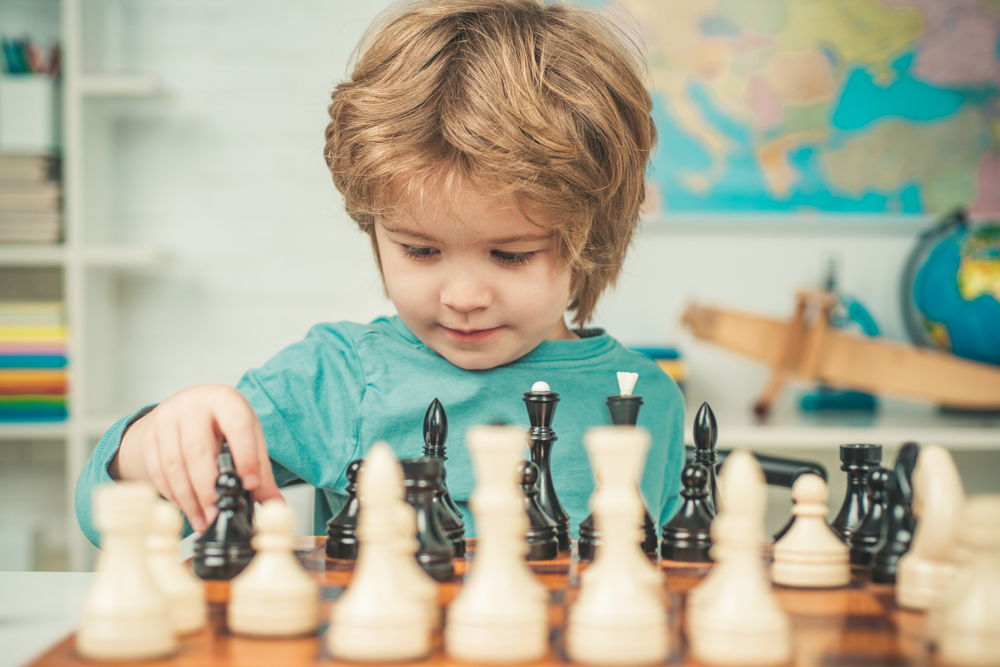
(224, 549)
(706, 433)
(543, 538)
(866, 537)
(225, 464)
(586, 546)
(625, 412)
(423, 481)
(541, 408)
(341, 530)
(435, 434)
(686, 537)
(858, 461)
(900, 522)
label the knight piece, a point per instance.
(900, 523)
(867, 536)
(687, 536)
(543, 538)
(423, 481)
(541, 403)
(435, 434)
(341, 529)
(224, 549)
(858, 461)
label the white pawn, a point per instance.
(184, 591)
(928, 567)
(619, 617)
(969, 620)
(125, 616)
(378, 619)
(810, 555)
(735, 618)
(273, 596)
(500, 615)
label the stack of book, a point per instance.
(30, 199)
(33, 377)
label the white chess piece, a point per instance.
(619, 617)
(810, 555)
(378, 619)
(500, 614)
(125, 616)
(184, 591)
(407, 570)
(969, 619)
(926, 570)
(733, 617)
(273, 596)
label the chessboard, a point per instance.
(858, 624)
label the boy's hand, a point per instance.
(176, 444)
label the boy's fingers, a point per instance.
(246, 441)
(175, 469)
(268, 487)
(201, 451)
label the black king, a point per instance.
(541, 408)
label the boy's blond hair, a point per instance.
(541, 102)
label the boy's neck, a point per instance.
(561, 332)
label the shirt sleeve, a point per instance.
(95, 473)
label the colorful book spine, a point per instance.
(34, 381)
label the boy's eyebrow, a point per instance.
(541, 236)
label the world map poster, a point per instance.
(792, 108)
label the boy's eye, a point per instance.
(417, 252)
(513, 258)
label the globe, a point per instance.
(951, 289)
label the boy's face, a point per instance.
(472, 278)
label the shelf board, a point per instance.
(110, 255)
(118, 85)
(33, 430)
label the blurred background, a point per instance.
(167, 219)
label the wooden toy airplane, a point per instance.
(809, 349)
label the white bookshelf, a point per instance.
(91, 257)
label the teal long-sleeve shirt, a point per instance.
(324, 401)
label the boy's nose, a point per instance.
(466, 292)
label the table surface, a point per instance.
(857, 624)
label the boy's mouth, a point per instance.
(470, 335)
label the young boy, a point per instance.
(494, 151)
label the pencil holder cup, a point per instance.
(29, 114)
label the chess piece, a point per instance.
(403, 545)
(380, 618)
(435, 434)
(185, 592)
(810, 555)
(543, 539)
(541, 403)
(273, 596)
(969, 633)
(224, 549)
(867, 536)
(899, 521)
(926, 570)
(687, 537)
(225, 464)
(733, 617)
(423, 481)
(341, 529)
(500, 614)
(124, 616)
(858, 461)
(619, 617)
(706, 433)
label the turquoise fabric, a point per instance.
(324, 401)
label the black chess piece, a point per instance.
(706, 433)
(225, 464)
(586, 546)
(341, 529)
(625, 412)
(224, 549)
(858, 461)
(541, 408)
(686, 537)
(423, 481)
(543, 538)
(435, 434)
(900, 522)
(866, 537)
